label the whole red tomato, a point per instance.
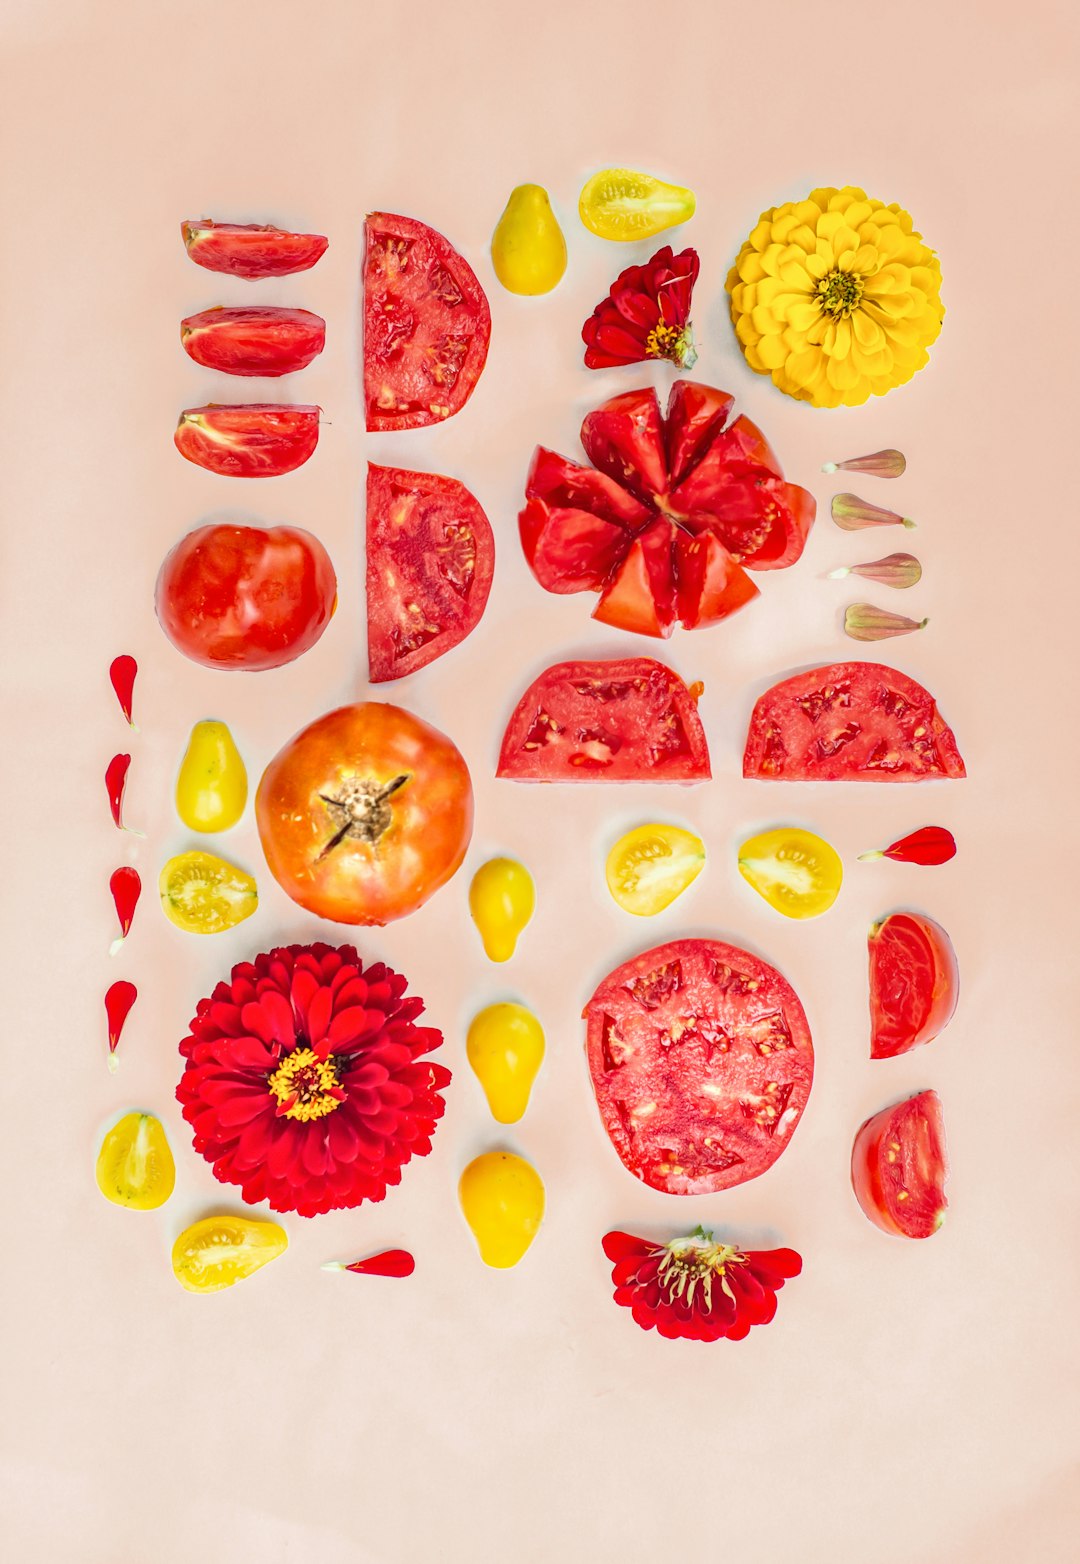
(246, 597)
(365, 814)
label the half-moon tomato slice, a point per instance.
(914, 983)
(253, 340)
(250, 249)
(899, 1166)
(259, 440)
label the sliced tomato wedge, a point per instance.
(426, 325)
(701, 1062)
(914, 983)
(640, 594)
(430, 560)
(250, 249)
(899, 1165)
(625, 439)
(850, 722)
(695, 415)
(255, 340)
(710, 584)
(259, 440)
(628, 720)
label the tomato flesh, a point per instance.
(135, 1165)
(701, 1062)
(259, 440)
(203, 894)
(899, 1165)
(627, 720)
(427, 325)
(796, 872)
(850, 722)
(258, 340)
(650, 866)
(914, 983)
(220, 1251)
(250, 249)
(430, 562)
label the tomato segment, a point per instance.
(258, 340)
(135, 1166)
(222, 1250)
(796, 872)
(914, 983)
(250, 249)
(260, 440)
(652, 865)
(622, 204)
(899, 1165)
(202, 894)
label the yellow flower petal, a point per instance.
(868, 334)
(804, 314)
(772, 351)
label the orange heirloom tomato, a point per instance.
(365, 814)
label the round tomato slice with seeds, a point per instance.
(430, 561)
(899, 1165)
(701, 1061)
(914, 983)
(427, 325)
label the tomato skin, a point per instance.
(246, 597)
(914, 983)
(257, 340)
(419, 829)
(901, 1151)
(258, 440)
(250, 250)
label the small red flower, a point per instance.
(696, 1288)
(646, 314)
(304, 1080)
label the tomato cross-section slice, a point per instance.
(899, 1165)
(914, 983)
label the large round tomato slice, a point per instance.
(850, 722)
(430, 560)
(914, 983)
(629, 720)
(426, 324)
(701, 1061)
(365, 814)
(899, 1166)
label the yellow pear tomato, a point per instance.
(528, 250)
(652, 865)
(619, 203)
(505, 1047)
(502, 1198)
(502, 899)
(202, 894)
(135, 1166)
(212, 786)
(222, 1250)
(796, 872)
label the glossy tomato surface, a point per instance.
(701, 1061)
(250, 249)
(365, 814)
(914, 983)
(255, 340)
(258, 440)
(427, 324)
(246, 597)
(628, 720)
(430, 561)
(850, 722)
(899, 1165)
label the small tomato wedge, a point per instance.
(914, 983)
(623, 204)
(796, 872)
(135, 1166)
(250, 250)
(259, 440)
(202, 894)
(652, 865)
(222, 1250)
(257, 340)
(899, 1166)
(640, 595)
(430, 562)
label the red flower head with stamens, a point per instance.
(305, 1082)
(646, 314)
(696, 1288)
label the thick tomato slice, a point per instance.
(426, 325)
(250, 249)
(640, 594)
(850, 722)
(630, 720)
(430, 560)
(899, 1166)
(259, 440)
(701, 1061)
(255, 340)
(914, 983)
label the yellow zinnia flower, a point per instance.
(836, 297)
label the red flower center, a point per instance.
(306, 1087)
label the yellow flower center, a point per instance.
(673, 343)
(694, 1262)
(839, 293)
(306, 1087)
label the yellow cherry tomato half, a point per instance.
(505, 1047)
(619, 203)
(212, 785)
(652, 865)
(135, 1166)
(528, 250)
(796, 872)
(502, 1197)
(222, 1250)
(202, 894)
(502, 899)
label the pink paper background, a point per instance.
(913, 1401)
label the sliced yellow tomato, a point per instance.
(222, 1250)
(619, 203)
(502, 1197)
(505, 1047)
(796, 872)
(135, 1166)
(212, 786)
(528, 250)
(202, 894)
(502, 899)
(652, 865)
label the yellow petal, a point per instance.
(806, 367)
(750, 267)
(764, 320)
(841, 373)
(772, 351)
(795, 275)
(817, 266)
(803, 314)
(868, 334)
(842, 340)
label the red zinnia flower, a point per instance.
(304, 1080)
(696, 1288)
(646, 314)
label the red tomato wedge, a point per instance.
(430, 560)
(426, 325)
(899, 1166)
(259, 440)
(850, 722)
(701, 1061)
(254, 340)
(250, 249)
(914, 983)
(630, 720)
